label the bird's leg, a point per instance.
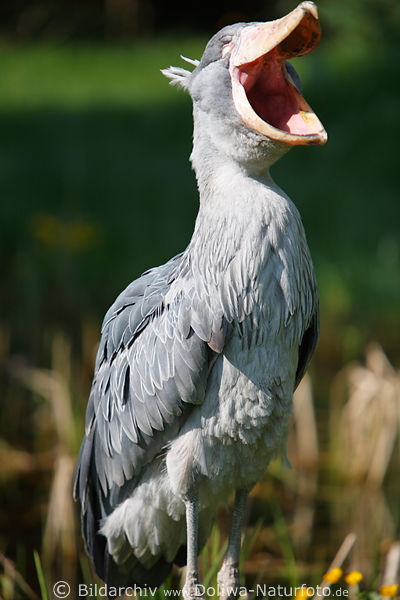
(191, 590)
(228, 576)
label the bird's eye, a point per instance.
(227, 45)
(226, 39)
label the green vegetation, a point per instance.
(96, 187)
(96, 184)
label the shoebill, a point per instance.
(199, 357)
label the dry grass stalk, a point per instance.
(304, 453)
(337, 562)
(392, 564)
(367, 424)
(59, 540)
(370, 517)
(59, 532)
(51, 386)
(12, 576)
(16, 463)
(305, 426)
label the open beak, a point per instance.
(263, 92)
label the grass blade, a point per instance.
(40, 575)
(285, 543)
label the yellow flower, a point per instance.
(353, 577)
(388, 591)
(303, 593)
(333, 575)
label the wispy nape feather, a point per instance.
(192, 61)
(177, 75)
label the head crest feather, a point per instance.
(179, 76)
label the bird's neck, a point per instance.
(234, 186)
(239, 209)
(248, 241)
(243, 214)
(221, 150)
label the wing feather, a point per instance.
(307, 346)
(151, 368)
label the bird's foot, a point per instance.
(229, 586)
(192, 590)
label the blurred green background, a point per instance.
(96, 187)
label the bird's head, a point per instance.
(245, 92)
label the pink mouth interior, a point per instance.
(271, 95)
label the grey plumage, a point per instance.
(199, 357)
(150, 367)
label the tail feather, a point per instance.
(132, 573)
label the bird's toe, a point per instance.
(192, 590)
(229, 586)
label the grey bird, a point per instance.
(199, 358)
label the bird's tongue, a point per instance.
(271, 95)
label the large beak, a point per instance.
(264, 94)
